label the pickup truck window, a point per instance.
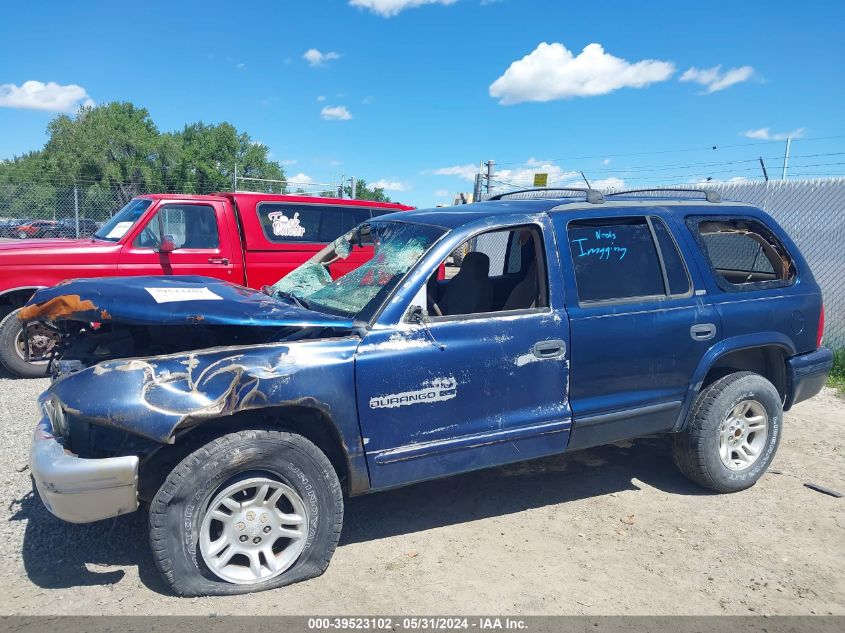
(615, 259)
(287, 222)
(123, 220)
(396, 248)
(743, 252)
(190, 225)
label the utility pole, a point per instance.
(786, 158)
(476, 190)
(765, 173)
(490, 164)
(340, 186)
(353, 187)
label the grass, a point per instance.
(837, 374)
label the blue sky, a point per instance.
(415, 96)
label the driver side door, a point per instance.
(203, 244)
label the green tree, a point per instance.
(115, 151)
(363, 192)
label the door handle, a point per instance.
(702, 331)
(219, 260)
(549, 349)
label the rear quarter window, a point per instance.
(743, 253)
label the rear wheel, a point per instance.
(249, 511)
(733, 434)
(13, 348)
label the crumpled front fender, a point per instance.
(152, 397)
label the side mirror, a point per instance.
(168, 244)
(416, 315)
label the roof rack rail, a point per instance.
(709, 194)
(593, 196)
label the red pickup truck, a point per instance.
(250, 239)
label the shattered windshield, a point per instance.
(397, 247)
(123, 220)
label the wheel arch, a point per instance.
(14, 298)
(764, 353)
(310, 422)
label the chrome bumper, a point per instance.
(81, 490)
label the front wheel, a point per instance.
(13, 347)
(249, 511)
(733, 433)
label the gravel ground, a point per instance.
(613, 530)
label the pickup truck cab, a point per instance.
(242, 418)
(250, 239)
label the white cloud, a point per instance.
(713, 79)
(321, 98)
(368, 100)
(442, 193)
(523, 176)
(606, 161)
(389, 8)
(608, 183)
(288, 162)
(552, 72)
(240, 66)
(389, 185)
(335, 113)
(764, 134)
(467, 172)
(317, 58)
(36, 95)
(300, 180)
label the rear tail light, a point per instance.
(821, 328)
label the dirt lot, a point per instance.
(614, 530)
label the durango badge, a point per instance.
(437, 390)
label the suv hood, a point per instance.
(168, 300)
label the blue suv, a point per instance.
(242, 418)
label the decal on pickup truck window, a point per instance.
(437, 390)
(169, 295)
(283, 226)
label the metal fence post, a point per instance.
(76, 209)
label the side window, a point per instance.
(190, 225)
(485, 281)
(676, 270)
(614, 259)
(285, 222)
(743, 252)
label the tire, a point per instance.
(10, 356)
(711, 450)
(22, 235)
(182, 511)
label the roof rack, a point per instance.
(593, 196)
(709, 194)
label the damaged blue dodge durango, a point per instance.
(242, 418)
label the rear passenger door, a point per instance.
(639, 325)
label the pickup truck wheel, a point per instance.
(733, 434)
(12, 348)
(249, 511)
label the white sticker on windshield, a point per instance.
(169, 295)
(119, 230)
